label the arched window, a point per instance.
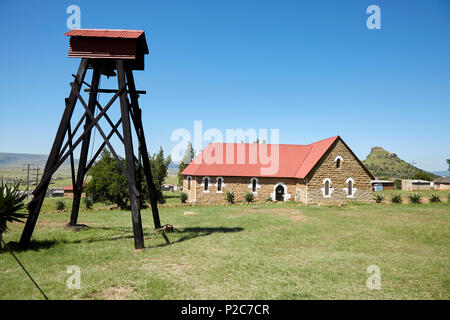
(254, 186)
(350, 188)
(205, 183)
(327, 188)
(189, 182)
(338, 161)
(219, 184)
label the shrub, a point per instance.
(11, 202)
(378, 197)
(448, 197)
(248, 197)
(414, 197)
(396, 198)
(269, 199)
(88, 203)
(434, 198)
(183, 197)
(229, 197)
(60, 205)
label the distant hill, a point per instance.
(384, 164)
(441, 173)
(20, 159)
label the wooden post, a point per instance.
(38, 196)
(78, 187)
(137, 120)
(129, 155)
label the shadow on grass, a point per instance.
(34, 245)
(120, 233)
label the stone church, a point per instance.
(322, 171)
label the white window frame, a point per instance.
(353, 188)
(341, 161)
(250, 186)
(203, 184)
(217, 184)
(330, 189)
(286, 195)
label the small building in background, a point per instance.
(380, 185)
(168, 187)
(58, 193)
(68, 191)
(415, 185)
(442, 183)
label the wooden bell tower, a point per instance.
(108, 53)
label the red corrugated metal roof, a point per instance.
(105, 33)
(294, 161)
(70, 188)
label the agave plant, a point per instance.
(396, 198)
(434, 198)
(229, 197)
(378, 197)
(415, 197)
(11, 202)
(249, 197)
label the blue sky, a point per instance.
(311, 69)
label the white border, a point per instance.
(353, 188)
(286, 195)
(250, 186)
(203, 184)
(330, 188)
(217, 184)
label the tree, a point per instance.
(159, 166)
(422, 175)
(188, 156)
(11, 202)
(448, 162)
(108, 184)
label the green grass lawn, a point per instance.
(261, 251)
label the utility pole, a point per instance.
(28, 177)
(37, 175)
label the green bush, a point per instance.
(60, 205)
(415, 197)
(448, 197)
(88, 203)
(249, 197)
(378, 197)
(269, 199)
(229, 197)
(11, 202)
(183, 197)
(434, 198)
(396, 198)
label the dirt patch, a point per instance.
(188, 213)
(114, 293)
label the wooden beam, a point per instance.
(126, 126)
(137, 120)
(114, 91)
(35, 204)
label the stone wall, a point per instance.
(239, 186)
(349, 168)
